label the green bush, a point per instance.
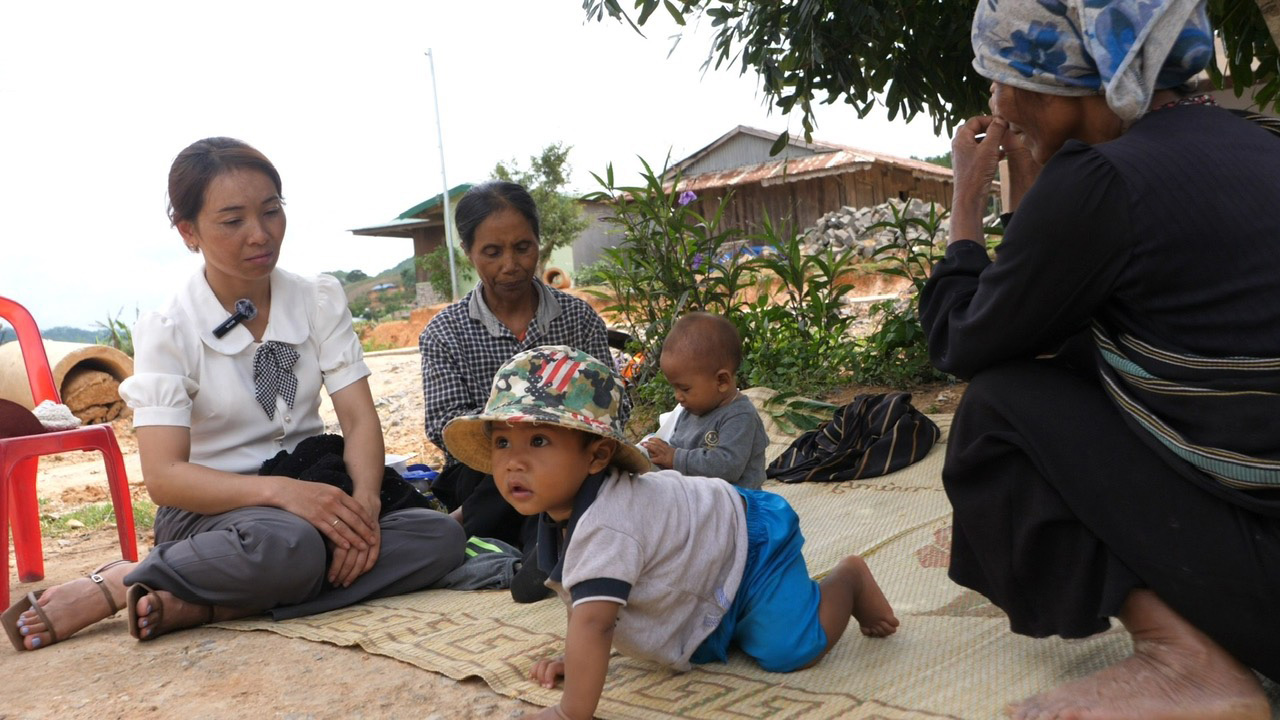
(116, 333)
(589, 274)
(896, 352)
(375, 346)
(810, 329)
(435, 265)
(669, 263)
(674, 259)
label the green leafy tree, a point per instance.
(559, 215)
(911, 56)
(435, 266)
(355, 276)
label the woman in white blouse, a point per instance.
(210, 406)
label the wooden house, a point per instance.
(803, 182)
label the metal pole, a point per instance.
(448, 215)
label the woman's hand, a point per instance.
(362, 452)
(547, 671)
(1022, 167)
(337, 515)
(350, 564)
(974, 161)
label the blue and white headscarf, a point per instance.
(1124, 49)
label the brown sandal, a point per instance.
(137, 591)
(31, 602)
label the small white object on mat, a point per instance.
(55, 417)
(666, 426)
(399, 463)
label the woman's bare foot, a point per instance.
(161, 612)
(73, 606)
(1176, 672)
(870, 607)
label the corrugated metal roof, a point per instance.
(413, 218)
(396, 228)
(837, 160)
(426, 205)
(805, 168)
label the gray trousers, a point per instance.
(270, 559)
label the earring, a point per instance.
(193, 248)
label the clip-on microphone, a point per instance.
(245, 311)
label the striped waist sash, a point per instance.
(1219, 414)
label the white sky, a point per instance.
(96, 98)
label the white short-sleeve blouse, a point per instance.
(186, 377)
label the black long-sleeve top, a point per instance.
(1170, 233)
(1165, 245)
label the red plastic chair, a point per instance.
(20, 456)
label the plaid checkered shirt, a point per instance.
(463, 347)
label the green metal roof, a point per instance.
(426, 205)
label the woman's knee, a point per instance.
(289, 547)
(993, 386)
(427, 526)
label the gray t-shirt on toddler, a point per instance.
(728, 443)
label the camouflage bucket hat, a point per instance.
(550, 385)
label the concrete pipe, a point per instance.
(557, 278)
(88, 378)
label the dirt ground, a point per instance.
(209, 673)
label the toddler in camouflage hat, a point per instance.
(657, 564)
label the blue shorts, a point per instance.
(774, 616)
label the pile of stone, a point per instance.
(852, 227)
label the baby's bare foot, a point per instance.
(73, 606)
(1175, 673)
(870, 607)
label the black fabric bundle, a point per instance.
(872, 435)
(319, 459)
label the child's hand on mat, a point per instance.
(660, 453)
(546, 671)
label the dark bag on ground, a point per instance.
(319, 459)
(872, 435)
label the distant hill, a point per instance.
(62, 333)
(365, 303)
(365, 283)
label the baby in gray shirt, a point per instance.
(719, 433)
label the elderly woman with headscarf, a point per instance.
(1115, 453)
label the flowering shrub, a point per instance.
(674, 260)
(670, 262)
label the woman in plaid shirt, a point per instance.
(509, 311)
